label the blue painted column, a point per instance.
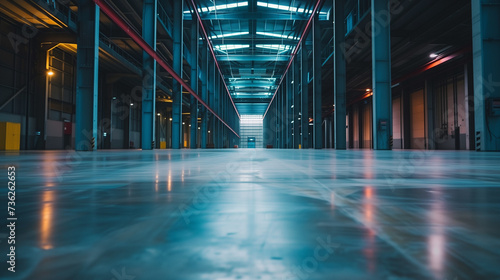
(227, 109)
(149, 13)
(296, 102)
(216, 109)
(304, 118)
(381, 75)
(177, 63)
(194, 84)
(282, 117)
(275, 121)
(87, 72)
(204, 95)
(219, 111)
(278, 119)
(212, 102)
(339, 72)
(317, 113)
(289, 79)
(486, 61)
(286, 110)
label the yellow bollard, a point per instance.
(300, 147)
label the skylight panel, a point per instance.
(220, 7)
(274, 47)
(230, 47)
(277, 35)
(286, 8)
(228, 35)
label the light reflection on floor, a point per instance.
(257, 214)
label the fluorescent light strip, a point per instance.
(228, 35)
(251, 119)
(252, 93)
(220, 7)
(275, 47)
(276, 35)
(230, 47)
(286, 8)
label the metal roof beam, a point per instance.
(245, 57)
(250, 16)
(254, 41)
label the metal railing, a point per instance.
(112, 45)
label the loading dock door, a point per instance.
(251, 142)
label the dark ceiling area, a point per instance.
(253, 40)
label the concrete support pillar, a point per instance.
(486, 58)
(304, 118)
(339, 70)
(381, 75)
(149, 13)
(177, 63)
(194, 83)
(87, 76)
(204, 96)
(317, 113)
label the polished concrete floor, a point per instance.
(255, 214)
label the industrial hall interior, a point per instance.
(250, 139)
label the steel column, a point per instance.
(277, 117)
(296, 103)
(177, 63)
(194, 84)
(289, 117)
(217, 107)
(339, 70)
(87, 76)
(283, 117)
(317, 115)
(304, 118)
(278, 120)
(204, 95)
(149, 21)
(381, 72)
(280, 116)
(486, 58)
